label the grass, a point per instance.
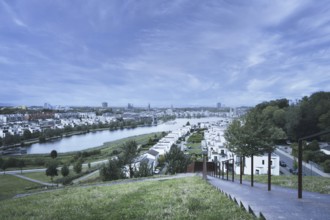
(11, 185)
(186, 198)
(195, 148)
(310, 183)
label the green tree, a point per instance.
(143, 171)
(53, 154)
(256, 135)
(51, 169)
(326, 166)
(161, 160)
(77, 167)
(313, 146)
(5, 165)
(112, 171)
(27, 134)
(129, 153)
(177, 161)
(65, 170)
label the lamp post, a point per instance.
(300, 140)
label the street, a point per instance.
(308, 171)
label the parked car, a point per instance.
(156, 171)
(282, 164)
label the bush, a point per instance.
(77, 167)
(65, 171)
(326, 166)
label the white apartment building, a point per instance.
(215, 144)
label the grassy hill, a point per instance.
(185, 198)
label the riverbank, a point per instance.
(15, 148)
(104, 151)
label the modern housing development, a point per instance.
(215, 144)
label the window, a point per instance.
(263, 162)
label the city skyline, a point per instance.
(181, 53)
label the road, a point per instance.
(307, 170)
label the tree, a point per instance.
(161, 160)
(65, 170)
(21, 164)
(144, 170)
(255, 135)
(129, 153)
(77, 167)
(112, 171)
(52, 169)
(5, 165)
(53, 154)
(313, 146)
(177, 160)
(326, 166)
(27, 134)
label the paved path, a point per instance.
(34, 180)
(85, 177)
(279, 203)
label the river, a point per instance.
(94, 139)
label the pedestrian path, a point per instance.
(33, 180)
(279, 203)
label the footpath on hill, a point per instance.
(279, 203)
(111, 183)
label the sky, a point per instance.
(161, 52)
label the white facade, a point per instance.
(215, 144)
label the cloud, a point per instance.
(15, 18)
(163, 52)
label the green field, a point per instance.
(310, 183)
(11, 185)
(186, 198)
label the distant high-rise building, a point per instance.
(129, 106)
(219, 105)
(104, 105)
(149, 107)
(47, 106)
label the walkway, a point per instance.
(34, 180)
(83, 178)
(279, 203)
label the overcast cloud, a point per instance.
(180, 53)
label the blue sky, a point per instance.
(162, 52)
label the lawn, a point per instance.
(186, 198)
(11, 185)
(310, 183)
(194, 148)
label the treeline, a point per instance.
(307, 116)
